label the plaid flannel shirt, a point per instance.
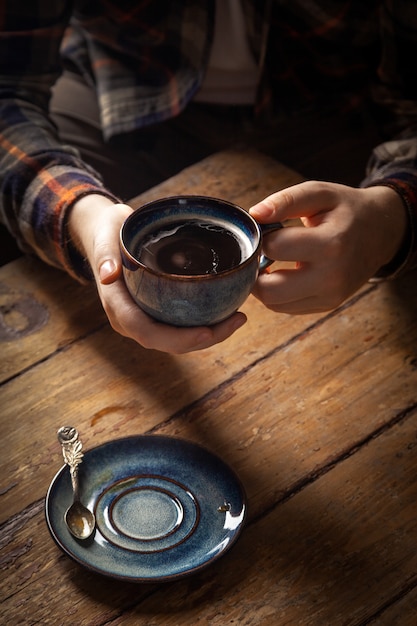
(147, 60)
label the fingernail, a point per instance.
(107, 270)
(262, 210)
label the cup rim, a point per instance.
(190, 277)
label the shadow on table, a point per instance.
(299, 552)
(308, 554)
(401, 300)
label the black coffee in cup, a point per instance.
(191, 260)
(191, 248)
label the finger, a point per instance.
(297, 243)
(282, 287)
(300, 291)
(106, 263)
(181, 340)
(109, 270)
(301, 200)
(130, 321)
(306, 306)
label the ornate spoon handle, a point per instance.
(78, 518)
(71, 451)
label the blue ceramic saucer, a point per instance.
(164, 508)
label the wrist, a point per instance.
(93, 232)
(82, 218)
(395, 222)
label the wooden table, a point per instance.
(317, 414)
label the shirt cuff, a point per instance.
(406, 257)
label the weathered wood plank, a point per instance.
(240, 176)
(45, 309)
(402, 612)
(40, 583)
(317, 414)
(273, 420)
(108, 386)
(42, 310)
(335, 553)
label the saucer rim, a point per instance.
(60, 539)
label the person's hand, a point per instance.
(346, 236)
(94, 226)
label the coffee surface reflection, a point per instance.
(191, 260)
(190, 248)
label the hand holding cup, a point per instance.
(191, 260)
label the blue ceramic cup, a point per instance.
(191, 260)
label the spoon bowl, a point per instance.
(79, 519)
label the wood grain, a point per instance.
(337, 552)
(45, 310)
(317, 414)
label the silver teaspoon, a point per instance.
(79, 520)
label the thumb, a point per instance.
(301, 200)
(108, 271)
(105, 243)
